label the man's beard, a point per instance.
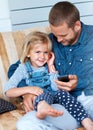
(74, 39)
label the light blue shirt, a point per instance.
(22, 73)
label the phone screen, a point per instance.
(63, 78)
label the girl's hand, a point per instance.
(35, 90)
(51, 59)
(50, 63)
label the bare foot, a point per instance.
(88, 124)
(44, 109)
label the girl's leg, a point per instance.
(44, 109)
(71, 104)
(46, 96)
(43, 106)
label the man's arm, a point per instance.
(12, 68)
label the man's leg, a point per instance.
(87, 102)
(64, 122)
(30, 122)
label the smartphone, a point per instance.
(63, 78)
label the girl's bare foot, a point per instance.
(88, 124)
(44, 109)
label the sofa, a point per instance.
(10, 50)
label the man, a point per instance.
(72, 46)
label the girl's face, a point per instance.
(38, 55)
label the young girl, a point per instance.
(39, 72)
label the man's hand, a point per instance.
(28, 100)
(68, 86)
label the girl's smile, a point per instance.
(38, 55)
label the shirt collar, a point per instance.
(83, 35)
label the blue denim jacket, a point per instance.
(77, 59)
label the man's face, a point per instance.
(64, 34)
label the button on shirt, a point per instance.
(77, 59)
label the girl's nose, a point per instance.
(42, 55)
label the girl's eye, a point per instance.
(37, 51)
(46, 52)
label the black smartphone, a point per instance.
(63, 78)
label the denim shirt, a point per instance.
(77, 59)
(39, 78)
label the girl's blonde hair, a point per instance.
(32, 39)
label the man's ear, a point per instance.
(77, 26)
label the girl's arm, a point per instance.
(11, 89)
(19, 75)
(53, 73)
(11, 71)
(16, 92)
(53, 77)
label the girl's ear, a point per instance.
(28, 55)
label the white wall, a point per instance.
(21, 14)
(34, 13)
(5, 22)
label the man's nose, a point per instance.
(59, 39)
